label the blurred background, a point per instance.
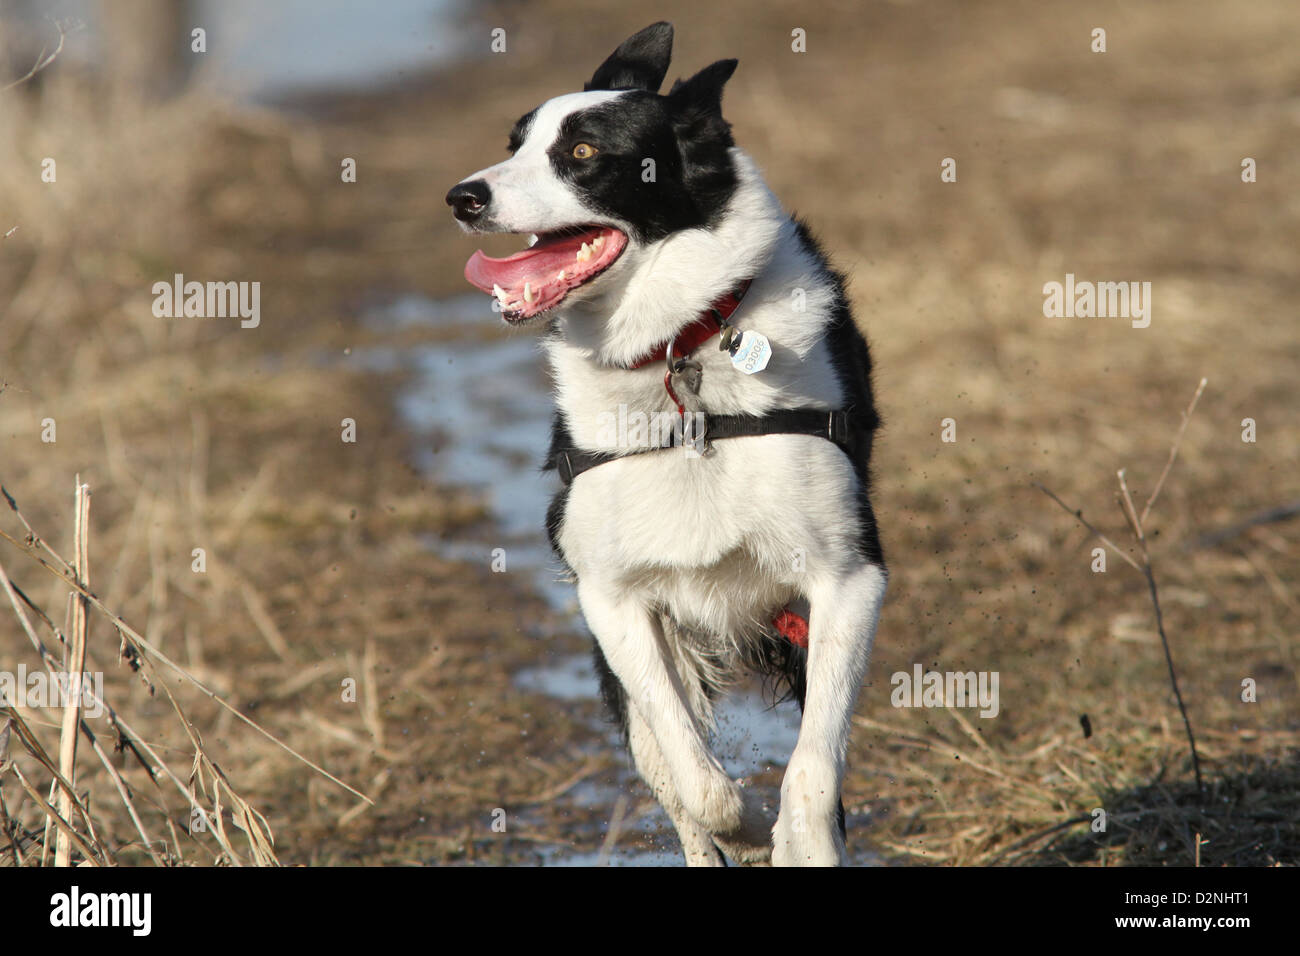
(131, 155)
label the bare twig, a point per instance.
(1079, 517)
(1173, 449)
(42, 61)
(1136, 524)
(1130, 512)
(1173, 676)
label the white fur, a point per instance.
(526, 195)
(679, 560)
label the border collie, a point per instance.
(676, 292)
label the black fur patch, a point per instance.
(639, 63)
(851, 361)
(561, 441)
(611, 690)
(521, 129)
(659, 167)
(780, 664)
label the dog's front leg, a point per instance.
(842, 627)
(697, 843)
(632, 641)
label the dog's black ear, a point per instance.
(639, 63)
(701, 95)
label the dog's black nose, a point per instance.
(468, 200)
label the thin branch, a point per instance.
(1173, 450)
(1136, 524)
(1173, 676)
(1130, 512)
(1083, 521)
(42, 61)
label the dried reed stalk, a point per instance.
(74, 666)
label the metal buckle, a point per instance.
(837, 428)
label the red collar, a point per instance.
(698, 332)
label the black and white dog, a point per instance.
(676, 292)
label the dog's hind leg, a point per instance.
(842, 627)
(632, 641)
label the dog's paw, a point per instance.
(704, 856)
(806, 832)
(717, 804)
(750, 844)
(791, 847)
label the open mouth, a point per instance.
(539, 277)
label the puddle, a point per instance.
(479, 400)
(752, 737)
(275, 50)
(268, 52)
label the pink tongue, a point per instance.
(536, 265)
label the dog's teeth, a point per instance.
(584, 253)
(561, 277)
(499, 292)
(528, 292)
(597, 242)
(532, 240)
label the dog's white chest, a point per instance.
(721, 542)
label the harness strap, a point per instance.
(831, 425)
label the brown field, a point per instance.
(196, 434)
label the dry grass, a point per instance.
(1122, 166)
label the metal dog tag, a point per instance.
(753, 353)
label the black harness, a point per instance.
(702, 428)
(699, 429)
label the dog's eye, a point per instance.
(584, 151)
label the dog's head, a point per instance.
(600, 177)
